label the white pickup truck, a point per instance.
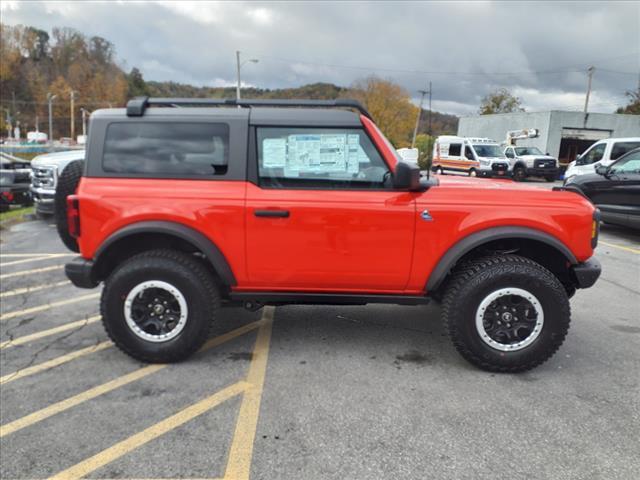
(531, 162)
(45, 171)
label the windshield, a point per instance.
(528, 151)
(490, 151)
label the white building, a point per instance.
(561, 134)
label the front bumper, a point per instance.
(543, 172)
(80, 272)
(43, 199)
(587, 273)
(496, 170)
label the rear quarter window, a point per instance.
(620, 148)
(166, 149)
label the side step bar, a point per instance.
(253, 300)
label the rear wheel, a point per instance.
(67, 185)
(159, 305)
(506, 313)
(439, 170)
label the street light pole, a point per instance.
(238, 66)
(50, 99)
(84, 121)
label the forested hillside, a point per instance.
(65, 63)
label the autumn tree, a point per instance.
(390, 106)
(424, 144)
(136, 86)
(633, 107)
(500, 101)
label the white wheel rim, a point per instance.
(170, 289)
(536, 328)
(472, 173)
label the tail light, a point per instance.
(73, 216)
(595, 228)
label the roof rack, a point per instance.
(136, 106)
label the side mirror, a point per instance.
(602, 170)
(407, 177)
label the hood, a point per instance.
(484, 183)
(57, 158)
(536, 157)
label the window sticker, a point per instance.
(274, 152)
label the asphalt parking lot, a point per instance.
(310, 392)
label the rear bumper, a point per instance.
(80, 272)
(587, 273)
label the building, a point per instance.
(561, 134)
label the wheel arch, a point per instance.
(140, 236)
(535, 244)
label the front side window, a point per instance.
(468, 153)
(509, 153)
(630, 164)
(166, 149)
(319, 158)
(620, 148)
(595, 154)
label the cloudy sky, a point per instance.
(538, 50)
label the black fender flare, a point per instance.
(468, 243)
(188, 234)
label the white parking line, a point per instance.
(48, 306)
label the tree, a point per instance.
(500, 101)
(633, 107)
(424, 144)
(390, 106)
(136, 86)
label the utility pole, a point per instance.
(72, 97)
(415, 130)
(50, 98)
(590, 71)
(430, 90)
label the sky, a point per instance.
(540, 51)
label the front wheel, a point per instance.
(519, 174)
(158, 306)
(506, 313)
(473, 173)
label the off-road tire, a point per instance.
(475, 280)
(189, 275)
(67, 185)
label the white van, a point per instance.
(603, 152)
(474, 156)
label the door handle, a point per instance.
(272, 213)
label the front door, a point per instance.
(323, 216)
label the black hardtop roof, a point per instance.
(137, 106)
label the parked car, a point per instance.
(182, 210)
(480, 157)
(531, 162)
(45, 171)
(603, 152)
(614, 189)
(15, 179)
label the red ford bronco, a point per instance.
(186, 205)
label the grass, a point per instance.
(16, 213)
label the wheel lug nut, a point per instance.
(149, 305)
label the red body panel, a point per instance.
(372, 241)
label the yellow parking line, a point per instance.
(48, 332)
(239, 462)
(135, 441)
(29, 272)
(21, 255)
(35, 259)
(94, 392)
(48, 306)
(20, 291)
(41, 367)
(621, 247)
